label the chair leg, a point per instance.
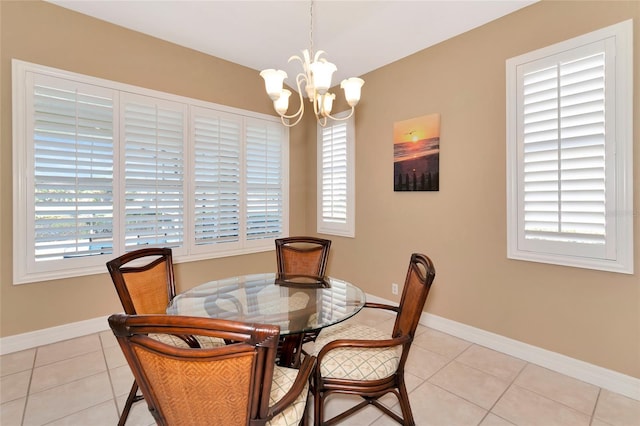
(317, 407)
(133, 397)
(305, 415)
(403, 396)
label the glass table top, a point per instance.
(296, 303)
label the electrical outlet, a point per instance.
(394, 288)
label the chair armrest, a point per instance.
(348, 343)
(381, 306)
(304, 373)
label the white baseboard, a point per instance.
(599, 376)
(20, 342)
(608, 379)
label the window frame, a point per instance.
(346, 228)
(617, 254)
(23, 171)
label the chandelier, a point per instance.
(316, 80)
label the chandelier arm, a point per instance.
(316, 111)
(343, 118)
(300, 111)
(315, 106)
(291, 124)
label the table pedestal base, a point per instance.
(289, 350)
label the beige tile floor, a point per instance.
(452, 382)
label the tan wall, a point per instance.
(589, 315)
(45, 34)
(592, 316)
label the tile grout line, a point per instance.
(427, 380)
(595, 405)
(106, 364)
(548, 398)
(511, 384)
(26, 399)
(489, 410)
(34, 367)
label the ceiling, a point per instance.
(358, 36)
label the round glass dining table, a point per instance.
(296, 303)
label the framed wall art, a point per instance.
(416, 154)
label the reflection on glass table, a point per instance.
(296, 303)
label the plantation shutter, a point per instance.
(564, 158)
(73, 169)
(334, 173)
(217, 177)
(102, 168)
(154, 133)
(264, 179)
(336, 177)
(570, 152)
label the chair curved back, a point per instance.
(420, 276)
(384, 366)
(144, 280)
(226, 385)
(302, 255)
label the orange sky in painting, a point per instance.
(425, 127)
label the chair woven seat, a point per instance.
(283, 379)
(209, 342)
(204, 341)
(357, 363)
(169, 340)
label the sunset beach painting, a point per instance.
(416, 154)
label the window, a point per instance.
(102, 168)
(569, 152)
(336, 178)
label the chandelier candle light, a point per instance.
(316, 80)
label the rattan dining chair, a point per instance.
(236, 384)
(145, 284)
(364, 361)
(303, 256)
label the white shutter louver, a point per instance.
(564, 152)
(154, 174)
(216, 178)
(264, 180)
(73, 170)
(334, 173)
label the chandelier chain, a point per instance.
(311, 27)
